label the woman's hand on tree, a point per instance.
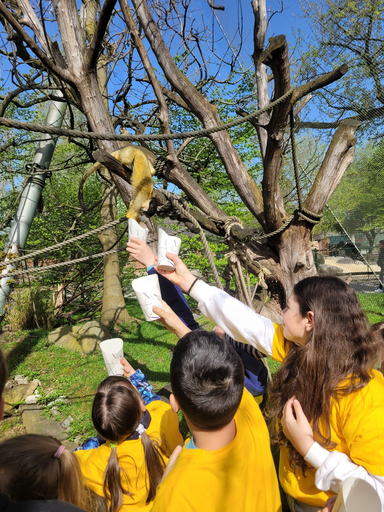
(296, 427)
(180, 276)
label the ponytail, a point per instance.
(71, 487)
(154, 462)
(113, 487)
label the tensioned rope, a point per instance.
(60, 245)
(10, 123)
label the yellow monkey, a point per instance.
(141, 181)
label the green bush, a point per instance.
(20, 314)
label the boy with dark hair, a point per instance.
(227, 464)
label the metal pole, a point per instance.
(30, 197)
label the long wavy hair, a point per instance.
(116, 413)
(29, 471)
(336, 360)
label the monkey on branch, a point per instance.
(140, 179)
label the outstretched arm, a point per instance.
(139, 380)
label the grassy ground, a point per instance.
(147, 345)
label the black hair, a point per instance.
(207, 379)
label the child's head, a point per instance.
(35, 467)
(207, 378)
(117, 412)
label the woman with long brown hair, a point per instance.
(127, 468)
(326, 406)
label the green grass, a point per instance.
(373, 305)
(147, 345)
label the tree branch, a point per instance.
(59, 72)
(318, 83)
(98, 36)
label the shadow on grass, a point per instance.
(21, 351)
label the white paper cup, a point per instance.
(136, 230)
(166, 243)
(357, 495)
(112, 351)
(148, 294)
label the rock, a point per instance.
(82, 338)
(48, 427)
(330, 270)
(358, 262)
(9, 384)
(20, 380)
(60, 400)
(37, 382)
(345, 261)
(91, 334)
(32, 399)
(16, 394)
(66, 422)
(71, 445)
(320, 259)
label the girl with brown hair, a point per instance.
(36, 467)
(128, 467)
(326, 404)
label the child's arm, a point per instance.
(139, 380)
(172, 294)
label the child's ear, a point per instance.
(143, 406)
(174, 404)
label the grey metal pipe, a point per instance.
(31, 196)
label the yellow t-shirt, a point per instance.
(164, 427)
(238, 477)
(356, 421)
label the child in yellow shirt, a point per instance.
(226, 465)
(128, 466)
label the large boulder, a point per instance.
(82, 338)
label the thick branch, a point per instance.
(172, 96)
(318, 83)
(112, 164)
(207, 113)
(336, 161)
(259, 33)
(98, 36)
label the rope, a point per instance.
(12, 273)
(66, 242)
(10, 123)
(175, 202)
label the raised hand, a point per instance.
(170, 320)
(127, 368)
(141, 252)
(180, 276)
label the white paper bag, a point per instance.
(357, 495)
(112, 351)
(136, 230)
(148, 294)
(166, 243)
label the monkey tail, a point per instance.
(86, 175)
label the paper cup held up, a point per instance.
(148, 294)
(136, 230)
(112, 351)
(166, 243)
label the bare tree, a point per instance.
(136, 36)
